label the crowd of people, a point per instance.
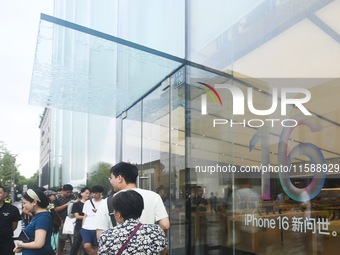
(129, 221)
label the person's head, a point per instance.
(85, 193)
(97, 192)
(243, 182)
(51, 194)
(34, 199)
(127, 204)
(123, 174)
(199, 191)
(3, 194)
(67, 190)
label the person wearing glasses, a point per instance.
(123, 177)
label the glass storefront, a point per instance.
(244, 165)
(258, 176)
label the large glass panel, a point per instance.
(178, 178)
(132, 131)
(155, 167)
(264, 38)
(207, 194)
(163, 24)
(90, 70)
(264, 165)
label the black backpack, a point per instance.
(110, 209)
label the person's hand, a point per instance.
(18, 247)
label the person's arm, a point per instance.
(62, 207)
(84, 218)
(164, 252)
(161, 215)
(78, 216)
(98, 233)
(102, 219)
(39, 242)
(14, 225)
(164, 224)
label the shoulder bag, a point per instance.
(127, 241)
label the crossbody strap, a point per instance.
(127, 241)
(94, 208)
(92, 203)
(110, 209)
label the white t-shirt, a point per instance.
(88, 209)
(154, 210)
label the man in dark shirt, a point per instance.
(60, 204)
(9, 217)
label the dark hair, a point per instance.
(97, 188)
(43, 203)
(67, 187)
(83, 190)
(129, 203)
(126, 170)
(1, 187)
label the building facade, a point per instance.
(228, 108)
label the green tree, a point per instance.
(100, 176)
(33, 181)
(9, 173)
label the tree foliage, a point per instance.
(100, 176)
(9, 172)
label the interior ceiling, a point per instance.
(309, 48)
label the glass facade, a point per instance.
(228, 109)
(239, 181)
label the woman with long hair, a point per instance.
(44, 222)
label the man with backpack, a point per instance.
(124, 176)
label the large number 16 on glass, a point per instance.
(309, 150)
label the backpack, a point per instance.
(110, 209)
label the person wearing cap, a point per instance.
(9, 217)
(61, 204)
(51, 195)
(39, 231)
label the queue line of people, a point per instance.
(133, 207)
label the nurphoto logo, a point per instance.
(280, 99)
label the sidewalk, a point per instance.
(67, 248)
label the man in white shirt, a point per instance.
(124, 176)
(88, 230)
